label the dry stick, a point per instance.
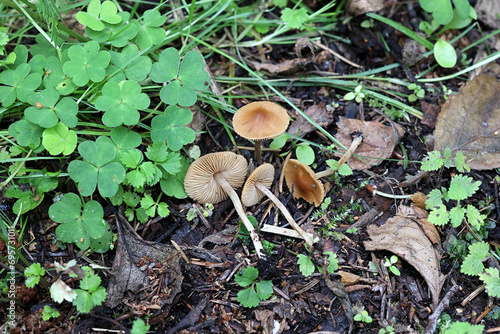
(434, 317)
(354, 145)
(239, 209)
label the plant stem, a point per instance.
(258, 154)
(239, 209)
(307, 238)
(354, 145)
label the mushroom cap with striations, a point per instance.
(260, 120)
(305, 183)
(250, 194)
(200, 183)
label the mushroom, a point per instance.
(213, 177)
(260, 120)
(257, 185)
(302, 179)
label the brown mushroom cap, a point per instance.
(305, 183)
(200, 183)
(250, 194)
(260, 120)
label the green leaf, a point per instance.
(464, 328)
(295, 18)
(121, 103)
(344, 170)
(77, 226)
(49, 312)
(248, 276)
(462, 7)
(183, 81)
(139, 327)
(475, 218)
(59, 140)
(133, 67)
(433, 161)
(169, 126)
(264, 289)
(462, 187)
(441, 10)
(491, 278)
(152, 174)
(306, 265)
(18, 83)
(248, 297)
(33, 274)
(434, 199)
(305, 153)
(54, 77)
(438, 216)
(445, 54)
(86, 63)
(279, 141)
(473, 262)
(333, 262)
(163, 210)
(461, 163)
(457, 215)
(103, 244)
(98, 13)
(26, 133)
(150, 33)
(125, 138)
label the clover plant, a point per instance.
(91, 100)
(256, 291)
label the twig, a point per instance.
(321, 46)
(434, 317)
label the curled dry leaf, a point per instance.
(406, 238)
(470, 122)
(378, 140)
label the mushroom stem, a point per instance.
(239, 209)
(307, 238)
(374, 192)
(354, 145)
(258, 154)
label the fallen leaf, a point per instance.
(378, 141)
(128, 276)
(405, 238)
(358, 7)
(487, 12)
(470, 122)
(318, 113)
(348, 278)
(286, 67)
(420, 215)
(431, 112)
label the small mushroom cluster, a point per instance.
(214, 177)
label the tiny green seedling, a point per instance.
(295, 18)
(390, 264)
(464, 327)
(363, 317)
(358, 95)
(49, 313)
(256, 291)
(91, 293)
(418, 92)
(387, 330)
(33, 274)
(139, 327)
(307, 267)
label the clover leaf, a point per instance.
(133, 67)
(98, 13)
(97, 169)
(59, 139)
(87, 63)
(125, 140)
(77, 225)
(27, 133)
(118, 35)
(173, 184)
(18, 83)
(121, 103)
(182, 80)
(150, 33)
(46, 110)
(169, 126)
(54, 77)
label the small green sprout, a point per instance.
(33, 274)
(358, 95)
(91, 293)
(389, 263)
(49, 312)
(139, 327)
(256, 291)
(363, 317)
(418, 92)
(307, 267)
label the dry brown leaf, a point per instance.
(470, 122)
(358, 7)
(405, 238)
(420, 215)
(348, 278)
(378, 141)
(487, 12)
(319, 114)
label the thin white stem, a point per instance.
(376, 192)
(354, 145)
(239, 209)
(307, 238)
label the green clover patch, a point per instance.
(182, 80)
(18, 83)
(169, 126)
(26, 133)
(121, 103)
(151, 33)
(97, 169)
(133, 67)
